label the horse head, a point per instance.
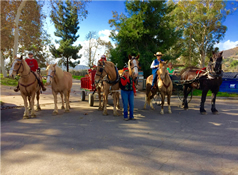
(101, 71)
(162, 69)
(215, 64)
(51, 70)
(133, 66)
(16, 67)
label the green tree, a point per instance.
(146, 29)
(65, 16)
(201, 22)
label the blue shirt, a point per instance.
(155, 63)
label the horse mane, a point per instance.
(59, 72)
(186, 68)
(111, 64)
(26, 65)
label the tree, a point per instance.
(65, 16)
(201, 22)
(27, 25)
(146, 29)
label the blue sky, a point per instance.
(99, 12)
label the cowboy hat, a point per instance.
(158, 54)
(30, 53)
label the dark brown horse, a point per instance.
(206, 79)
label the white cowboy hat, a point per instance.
(158, 53)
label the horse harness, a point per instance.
(166, 86)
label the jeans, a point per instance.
(128, 96)
(154, 78)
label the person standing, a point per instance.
(128, 91)
(154, 66)
(32, 63)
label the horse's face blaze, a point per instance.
(15, 66)
(99, 72)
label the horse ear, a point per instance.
(211, 59)
(54, 64)
(47, 64)
(129, 57)
(138, 56)
(166, 61)
(15, 57)
(213, 52)
(221, 53)
(21, 57)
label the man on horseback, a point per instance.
(154, 66)
(32, 63)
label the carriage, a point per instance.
(177, 90)
(88, 87)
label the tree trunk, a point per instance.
(16, 36)
(3, 66)
(202, 52)
(67, 64)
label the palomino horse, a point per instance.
(165, 87)
(107, 76)
(210, 79)
(133, 66)
(28, 85)
(61, 82)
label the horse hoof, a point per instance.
(26, 117)
(67, 110)
(162, 112)
(115, 114)
(55, 112)
(185, 108)
(170, 112)
(105, 113)
(215, 113)
(62, 107)
(33, 116)
(203, 113)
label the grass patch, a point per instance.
(197, 92)
(77, 77)
(8, 81)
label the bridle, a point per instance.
(101, 69)
(216, 71)
(166, 86)
(17, 70)
(135, 79)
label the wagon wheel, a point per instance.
(83, 96)
(157, 98)
(180, 96)
(90, 99)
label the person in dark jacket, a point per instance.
(128, 91)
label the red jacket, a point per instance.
(127, 80)
(32, 63)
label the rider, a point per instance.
(32, 63)
(103, 58)
(155, 66)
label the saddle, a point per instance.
(203, 70)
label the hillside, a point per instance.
(231, 53)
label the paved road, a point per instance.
(86, 142)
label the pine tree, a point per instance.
(65, 17)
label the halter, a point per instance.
(133, 68)
(51, 76)
(217, 73)
(17, 71)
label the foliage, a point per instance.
(197, 92)
(201, 22)
(8, 81)
(32, 37)
(65, 16)
(77, 77)
(146, 29)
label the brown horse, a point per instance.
(108, 78)
(208, 79)
(61, 82)
(164, 86)
(28, 85)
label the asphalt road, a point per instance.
(85, 142)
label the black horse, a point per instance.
(206, 79)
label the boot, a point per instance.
(43, 87)
(17, 88)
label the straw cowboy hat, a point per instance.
(158, 54)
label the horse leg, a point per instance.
(162, 103)
(105, 103)
(118, 100)
(168, 101)
(203, 99)
(55, 101)
(214, 110)
(26, 112)
(66, 96)
(100, 100)
(145, 101)
(32, 106)
(62, 99)
(29, 100)
(37, 100)
(185, 93)
(115, 113)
